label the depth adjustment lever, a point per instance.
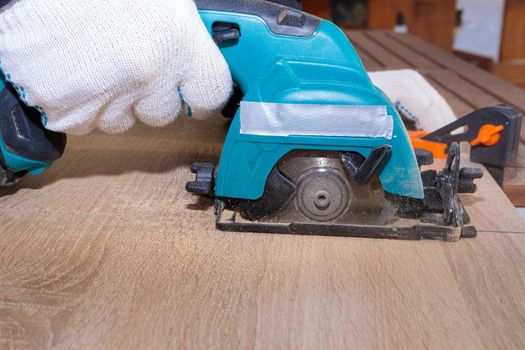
(363, 170)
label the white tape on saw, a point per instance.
(283, 119)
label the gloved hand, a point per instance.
(107, 63)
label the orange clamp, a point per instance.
(437, 149)
(488, 135)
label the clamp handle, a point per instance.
(493, 132)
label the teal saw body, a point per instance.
(287, 62)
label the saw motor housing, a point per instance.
(281, 56)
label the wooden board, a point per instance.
(463, 85)
(107, 251)
(431, 20)
(511, 65)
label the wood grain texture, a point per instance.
(107, 251)
(464, 86)
(380, 54)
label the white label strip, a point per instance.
(284, 119)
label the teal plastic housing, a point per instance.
(17, 163)
(320, 69)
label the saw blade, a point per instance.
(325, 193)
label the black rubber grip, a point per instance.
(22, 130)
(4, 2)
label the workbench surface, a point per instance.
(106, 250)
(463, 85)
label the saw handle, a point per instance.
(25, 144)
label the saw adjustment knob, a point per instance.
(423, 157)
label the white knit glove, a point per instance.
(107, 63)
(415, 97)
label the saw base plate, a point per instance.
(404, 229)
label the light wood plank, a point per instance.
(96, 281)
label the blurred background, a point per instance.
(488, 33)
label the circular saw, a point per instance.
(313, 146)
